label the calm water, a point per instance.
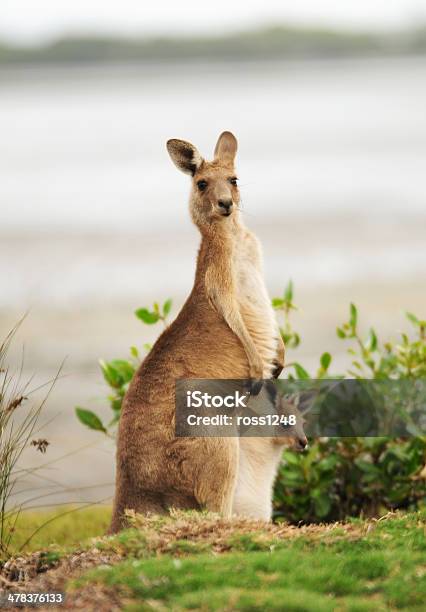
(86, 148)
(328, 151)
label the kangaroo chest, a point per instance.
(248, 274)
(253, 300)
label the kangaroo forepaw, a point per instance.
(255, 386)
(277, 368)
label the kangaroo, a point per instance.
(259, 458)
(226, 329)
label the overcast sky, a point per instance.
(31, 21)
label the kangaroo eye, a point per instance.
(233, 180)
(202, 185)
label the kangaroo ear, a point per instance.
(305, 400)
(184, 155)
(226, 147)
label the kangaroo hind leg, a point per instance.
(217, 475)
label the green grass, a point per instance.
(193, 561)
(65, 527)
(379, 568)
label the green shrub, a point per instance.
(119, 372)
(336, 477)
(341, 477)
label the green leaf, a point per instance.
(353, 316)
(147, 316)
(328, 463)
(340, 332)
(300, 371)
(134, 351)
(291, 458)
(367, 467)
(147, 347)
(167, 306)
(371, 363)
(325, 360)
(277, 302)
(293, 478)
(373, 340)
(123, 369)
(116, 403)
(111, 375)
(296, 340)
(322, 502)
(412, 318)
(288, 293)
(90, 419)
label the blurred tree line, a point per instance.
(267, 43)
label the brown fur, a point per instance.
(219, 333)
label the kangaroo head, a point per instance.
(214, 193)
(292, 407)
(294, 435)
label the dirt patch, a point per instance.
(46, 572)
(222, 535)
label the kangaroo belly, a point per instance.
(258, 462)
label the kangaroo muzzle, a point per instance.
(225, 207)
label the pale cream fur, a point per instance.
(258, 464)
(254, 302)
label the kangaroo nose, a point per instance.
(225, 204)
(303, 443)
